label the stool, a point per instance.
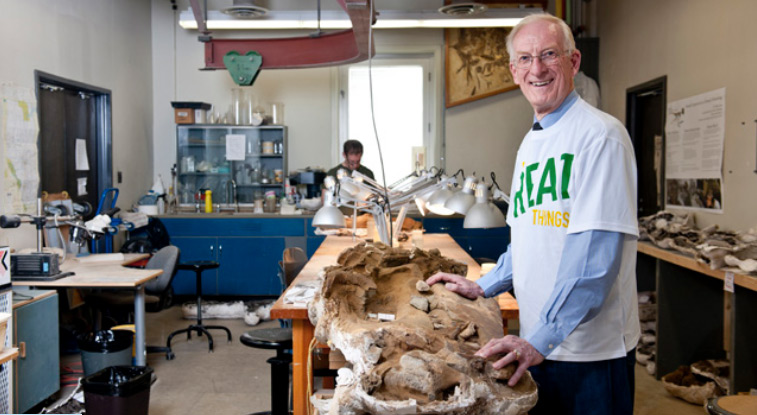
(198, 267)
(732, 405)
(279, 339)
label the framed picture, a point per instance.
(476, 64)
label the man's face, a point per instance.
(545, 86)
(352, 160)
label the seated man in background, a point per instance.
(352, 153)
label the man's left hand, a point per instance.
(515, 349)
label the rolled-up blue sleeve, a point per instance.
(500, 278)
(589, 266)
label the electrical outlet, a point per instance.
(418, 158)
(119, 177)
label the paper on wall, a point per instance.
(81, 186)
(82, 162)
(695, 135)
(18, 144)
(235, 146)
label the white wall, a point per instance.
(700, 45)
(105, 43)
(482, 136)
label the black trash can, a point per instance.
(104, 348)
(118, 390)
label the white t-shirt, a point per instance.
(577, 175)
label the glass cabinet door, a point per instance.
(259, 168)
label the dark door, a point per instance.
(645, 120)
(66, 117)
(645, 116)
(74, 139)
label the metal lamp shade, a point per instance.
(460, 202)
(436, 202)
(329, 216)
(484, 215)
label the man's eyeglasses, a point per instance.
(548, 57)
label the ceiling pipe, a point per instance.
(337, 48)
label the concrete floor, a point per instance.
(235, 378)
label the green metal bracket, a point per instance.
(244, 69)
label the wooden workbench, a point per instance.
(302, 330)
(697, 319)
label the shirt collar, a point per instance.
(554, 116)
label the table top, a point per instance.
(689, 262)
(332, 246)
(99, 270)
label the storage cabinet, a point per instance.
(35, 321)
(203, 162)
(247, 248)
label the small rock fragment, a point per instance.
(421, 303)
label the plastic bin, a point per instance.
(104, 348)
(118, 390)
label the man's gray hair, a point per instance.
(569, 43)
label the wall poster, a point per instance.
(695, 131)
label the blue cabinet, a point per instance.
(35, 321)
(250, 265)
(247, 249)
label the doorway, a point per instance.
(645, 120)
(74, 138)
(645, 116)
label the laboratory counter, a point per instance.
(249, 246)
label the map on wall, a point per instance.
(18, 149)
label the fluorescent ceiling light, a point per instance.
(389, 19)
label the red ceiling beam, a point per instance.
(337, 48)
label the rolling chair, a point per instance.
(158, 292)
(279, 339)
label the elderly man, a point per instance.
(572, 259)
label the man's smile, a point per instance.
(541, 83)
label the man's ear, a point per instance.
(512, 72)
(575, 61)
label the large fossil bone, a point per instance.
(411, 347)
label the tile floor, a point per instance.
(234, 379)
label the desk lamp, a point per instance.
(329, 216)
(484, 214)
(461, 201)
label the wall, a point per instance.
(105, 43)
(701, 46)
(481, 136)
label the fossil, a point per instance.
(421, 360)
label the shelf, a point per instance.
(8, 354)
(261, 185)
(677, 258)
(201, 173)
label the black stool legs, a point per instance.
(198, 267)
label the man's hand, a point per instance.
(515, 349)
(457, 284)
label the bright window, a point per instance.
(403, 103)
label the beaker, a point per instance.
(277, 113)
(237, 104)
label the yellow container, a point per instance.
(208, 201)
